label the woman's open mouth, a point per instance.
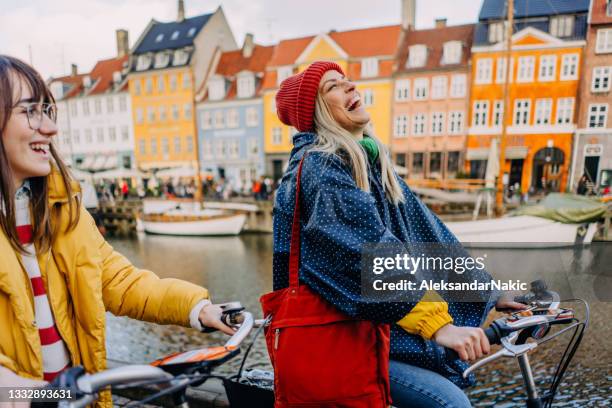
(354, 103)
(40, 148)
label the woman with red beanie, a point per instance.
(350, 196)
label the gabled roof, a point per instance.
(102, 74)
(496, 9)
(368, 42)
(72, 84)
(287, 51)
(434, 40)
(160, 35)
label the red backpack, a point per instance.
(321, 356)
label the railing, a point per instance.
(471, 185)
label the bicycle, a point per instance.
(176, 372)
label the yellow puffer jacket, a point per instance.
(84, 277)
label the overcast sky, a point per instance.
(54, 34)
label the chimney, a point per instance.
(440, 22)
(73, 70)
(123, 45)
(181, 11)
(408, 14)
(248, 45)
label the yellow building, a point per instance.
(366, 56)
(168, 65)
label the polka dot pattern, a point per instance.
(337, 219)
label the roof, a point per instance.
(287, 51)
(161, 35)
(434, 40)
(72, 84)
(496, 9)
(102, 74)
(368, 42)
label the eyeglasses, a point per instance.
(35, 112)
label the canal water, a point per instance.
(239, 268)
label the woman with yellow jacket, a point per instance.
(58, 276)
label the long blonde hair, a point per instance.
(334, 139)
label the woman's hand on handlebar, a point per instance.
(506, 303)
(210, 316)
(470, 343)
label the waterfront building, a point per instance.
(167, 68)
(95, 130)
(545, 67)
(593, 142)
(230, 115)
(431, 101)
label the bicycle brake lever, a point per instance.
(509, 349)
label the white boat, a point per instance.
(193, 223)
(522, 231)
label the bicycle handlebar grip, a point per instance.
(492, 336)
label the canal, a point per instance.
(239, 268)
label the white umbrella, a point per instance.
(177, 172)
(119, 174)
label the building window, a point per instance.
(526, 67)
(500, 72)
(522, 109)
(191, 32)
(149, 85)
(151, 114)
(400, 128)
(277, 136)
(419, 124)
(100, 135)
(484, 70)
(175, 35)
(497, 31)
(139, 116)
(548, 67)
(283, 73)
(417, 56)
(219, 119)
(175, 112)
(110, 104)
(400, 159)
(160, 83)
(112, 134)
(162, 113)
(122, 103)
(368, 97)
(417, 163)
(77, 137)
(601, 79)
(252, 146)
(189, 140)
(604, 41)
(458, 86)
(421, 88)
(252, 117)
(451, 53)
(598, 115)
(246, 86)
(569, 67)
(180, 57)
(609, 8)
(481, 113)
(172, 82)
(369, 67)
(437, 123)
(161, 59)
(177, 144)
(232, 118)
(565, 110)
(187, 80)
(137, 87)
(143, 62)
(165, 145)
(562, 26)
(402, 90)
(142, 146)
(98, 106)
(438, 87)
(216, 89)
(73, 108)
(88, 136)
(435, 162)
(207, 149)
(498, 113)
(206, 120)
(543, 111)
(453, 162)
(125, 134)
(159, 38)
(187, 110)
(455, 123)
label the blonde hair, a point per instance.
(334, 139)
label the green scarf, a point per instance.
(370, 147)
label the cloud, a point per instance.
(62, 32)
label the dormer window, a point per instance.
(159, 38)
(496, 31)
(143, 62)
(369, 67)
(191, 32)
(216, 89)
(246, 85)
(283, 73)
(87, 81)
(417, 55)
(180, 57)
(174, 35)
(562, 26)
(452, 52)
(161, 59)
(116, 77)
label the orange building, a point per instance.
(544, 76)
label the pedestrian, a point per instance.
(58, 276)
(582, 185)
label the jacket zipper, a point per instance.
(276, 336)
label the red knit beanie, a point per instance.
(295, 100)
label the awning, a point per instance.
(177, 172)
(87, 163)
(111, 162)
(516, 152)
(477, 154)
(99, 163)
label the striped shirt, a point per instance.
(54, 352)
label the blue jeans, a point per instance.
(417, 387)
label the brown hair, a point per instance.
(44, 224)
